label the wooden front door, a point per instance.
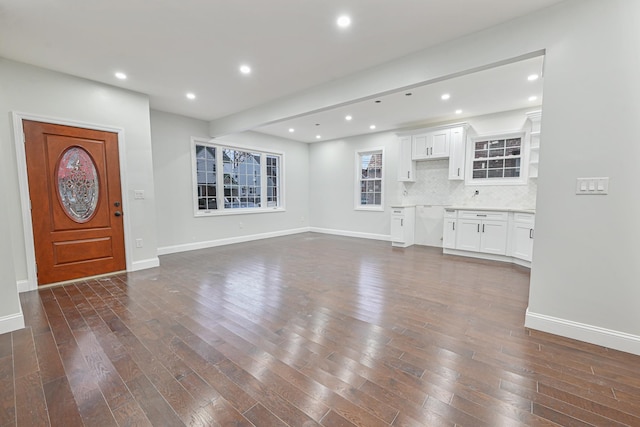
(76, 202)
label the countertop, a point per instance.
(482, 208)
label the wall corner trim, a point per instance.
(24, 286)
(580, 331)
(12, 322)
(145, 264)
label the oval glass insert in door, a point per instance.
(77, 182)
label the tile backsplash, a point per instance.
(433, 187)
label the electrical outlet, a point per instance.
(241, 225)
(138, 194)
(139, 243)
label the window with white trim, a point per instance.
(233, 180)
(497, 159)
(370, 180)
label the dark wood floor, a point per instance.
(300, 331)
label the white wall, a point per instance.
(10, 312)
(586, 256)
(36, 91)
(584, 281)
(178, 228)
(332, 170)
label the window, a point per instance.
(498, 160)
(370, 182)
(233, 180)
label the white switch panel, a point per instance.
(592, 186)
(138, 194)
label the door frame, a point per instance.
(23, 182)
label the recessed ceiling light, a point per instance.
(245, 69)
(348, 118)
(343, 21)
(318, 137)
(533, 98)
(291, 130)
(191, 95)
(458, 111)
(372, 127)
(120, 75)
(445, 96)
(533, 77)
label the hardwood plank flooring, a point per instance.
(305, 330)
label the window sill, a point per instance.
(369, 209)
(247, 211)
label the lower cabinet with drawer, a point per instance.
(489, 234)
(482, 232)
(403, 220)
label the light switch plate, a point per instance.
(138, 194)
(592, 186)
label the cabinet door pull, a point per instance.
(478, 228)
(458, 171)
(408, 174)
(531, 233)
(481, 215)
(402, 223)
(454, 226)
(483, 228)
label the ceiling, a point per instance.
(494, 90)
(168, 48)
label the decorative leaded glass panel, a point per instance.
(78, 184)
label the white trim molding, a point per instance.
(12, 322)
(580, 331)
(359, 235)
(23, 286)
(23, 182)
(144, 264)
(165, 250)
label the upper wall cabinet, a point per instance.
(431, 145)
(406, 165)
(456, 152)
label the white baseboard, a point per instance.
(145, 263)
(383, 237)
(165, 250)
(25, 286)
(11, 323)
(490, 257)
(580, 331)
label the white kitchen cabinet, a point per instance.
(457, 153)
(523, 233)
(402, 225)
(449, 229)
(468, 235)
(431, 145)
(482, 231)
(493, 238)
(501, 235)
(406, 165)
